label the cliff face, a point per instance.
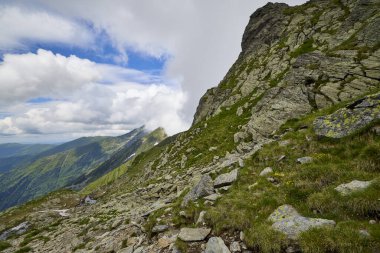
(296, 60)
(258, 169)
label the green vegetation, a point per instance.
(306, 47)
(309, 188)
(4, 245)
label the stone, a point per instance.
(116, 223)
(364, 233)
(235, 247)
(164, 242)
(226, 179)
(288, 221)
(201, 218)
(139, 250)
(353, 186)
(216, 245)
(239, 111)
(212, 197)
(212, 149)
(160, 228)
(89, 200)
(266, 171)
(372, 222)
(193, 234)
(17, 230)
(203, 188)
(349, 120)
(284, 143)
(126, 250)
(303, 160)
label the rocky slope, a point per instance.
(275, 161)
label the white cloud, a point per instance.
(202, 37)
(83, 105)
(44, 74)
(20, 25)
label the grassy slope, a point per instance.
(148, 142)
(309, 188)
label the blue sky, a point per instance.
(82, 68)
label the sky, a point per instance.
(78, 68)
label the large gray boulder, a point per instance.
(353, 186)
(193, 234)
(203, 188)
(216, 245)
(287, 220)
(226, 179)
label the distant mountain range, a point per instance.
(29, 171)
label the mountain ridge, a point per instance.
(258, 170)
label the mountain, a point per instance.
(283, 155)
(72, 163)
(16, 149)
(15, 154)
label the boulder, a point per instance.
(288, 221)
(226, 179)
(216, 245)
(349, 120)
(203, 188)
(193, 234)
(353, 186)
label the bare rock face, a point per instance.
(351, 119)
(291, 64)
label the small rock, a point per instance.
(160, 228)
(372, 222)
(226, 179)
(212, 197)
(284, 143)
(216, 245)
(139, 250)
(182, 213)
(212, 149)
(235, 247)
(164, 242)
(364, 233)
(239, 111)
(168, 177)
(193, 234)
(116, 223)
(353, 186)
(201, 218)
(266, 171)
(306, 159)
(241, 236)
(282, 157)
(126, 250)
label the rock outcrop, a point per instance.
(351, 119)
